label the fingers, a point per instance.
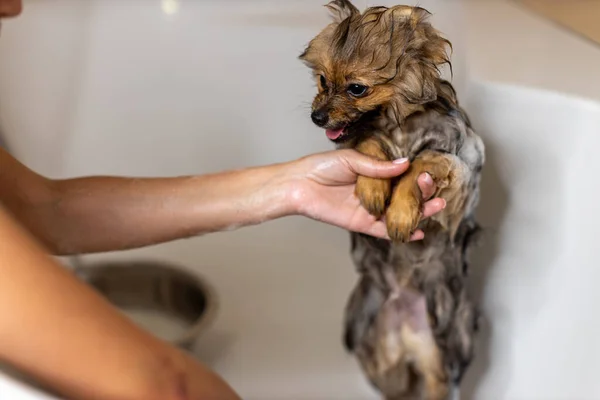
(426, 185)
(433, 207)
(364, 165)
(379, 230)
(418, 235)
(372, 168)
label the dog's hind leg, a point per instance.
(362, 307)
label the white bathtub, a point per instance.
(167, 95)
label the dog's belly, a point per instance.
(436, 269)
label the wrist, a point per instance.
(250, 196)
(295, 187)
(284, 190)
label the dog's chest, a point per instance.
(417, 133)
(397, 141)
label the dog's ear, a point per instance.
(341, 9)
(421, 52)
(419, 84)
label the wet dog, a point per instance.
(409, 320)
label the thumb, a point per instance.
(364, 165)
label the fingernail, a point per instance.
(428, 179)
(443, 204)
(400, 160)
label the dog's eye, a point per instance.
(357, 90)
(323, 82)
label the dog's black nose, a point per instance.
(319, 117)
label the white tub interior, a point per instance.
(121, 87)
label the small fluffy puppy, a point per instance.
(409, 320)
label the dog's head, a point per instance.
(384, 58)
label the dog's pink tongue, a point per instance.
(334, 134)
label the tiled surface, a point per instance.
(580, 16)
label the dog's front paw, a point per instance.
(403, 215)
(373, 194)
(406, 207)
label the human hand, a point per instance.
(325, 190)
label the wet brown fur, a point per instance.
(409, 320)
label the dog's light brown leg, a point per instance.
(428, 361)
(405, 338)
(373, 193)
(405, 210)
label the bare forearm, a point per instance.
(113, 213)
(57, 329)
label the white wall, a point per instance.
(81, 81)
